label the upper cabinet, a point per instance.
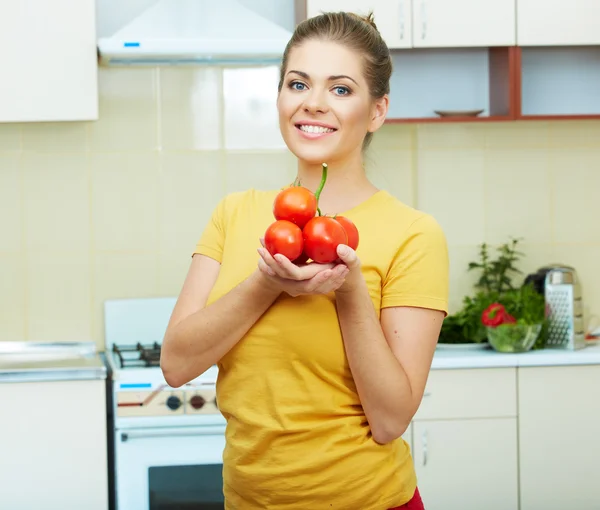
(463, 23)
(433, 23)
(558, 23)
(392, 17)
(49, 60)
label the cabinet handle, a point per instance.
(424, 441)
(423, 19)
(401, 16)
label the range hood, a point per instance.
(205, 32)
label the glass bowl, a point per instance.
(513, 337)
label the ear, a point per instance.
(378, 113)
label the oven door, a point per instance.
(170, 468)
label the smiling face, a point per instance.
(325, 106)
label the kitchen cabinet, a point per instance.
(463, 23)
(464, 437)
(54, 445)
(49, 60)
(433, 23)
(559, 440)
(558, 23)
(392, 17)
(467, 464)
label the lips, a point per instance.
(315, 130)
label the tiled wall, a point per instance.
(112, 209)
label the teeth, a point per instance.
(315, 129)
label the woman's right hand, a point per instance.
(281, 274)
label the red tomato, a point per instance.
(296, 204)
(284, 237)
(322, 235)
(351, 231)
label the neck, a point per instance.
(346, 185)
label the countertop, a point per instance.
(449, 358)
(25, 362)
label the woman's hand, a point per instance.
(313, 278)
(354, 278)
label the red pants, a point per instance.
(416, 503)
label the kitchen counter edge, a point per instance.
(488, 358)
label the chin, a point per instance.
(312, 153)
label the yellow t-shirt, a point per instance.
(297, 437)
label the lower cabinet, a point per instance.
(464, 440)
(559, 437)
(524, 438)
(467, 464)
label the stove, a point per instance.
(160, 436)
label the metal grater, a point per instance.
(564, 309)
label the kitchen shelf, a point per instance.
(558, 82)
(425, 80)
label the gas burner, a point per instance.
(138, 355)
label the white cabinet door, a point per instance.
(463, 23)
(467, 464)
(559, 439)
(54, 445)
(558, 23)
(48, 60)
(392, 17)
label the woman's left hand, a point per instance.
(354, 278)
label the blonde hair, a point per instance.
(356, 32)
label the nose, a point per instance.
(315, 102)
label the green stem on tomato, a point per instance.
(321, 186)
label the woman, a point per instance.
(322, 366)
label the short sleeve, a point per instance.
(212, 240)
(419, 273)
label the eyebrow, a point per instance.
(331, 78)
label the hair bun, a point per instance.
(370, 19)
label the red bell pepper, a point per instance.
(495, 315)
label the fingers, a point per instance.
(348, 256)
(328, 280)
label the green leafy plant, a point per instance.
(495, 285)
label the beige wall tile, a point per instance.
(451, 188)
(120, 276)
(128, 118)
(13, 304)
(576, 181)
(55, 136)
(451, 136)
(575, 133)
(124, 201)
(11, 203)
(56, 201)
(190, 108)
(462, 280)
(263, 171)
(517, 196)
(394, 136)
(59, 297)
(515, 135)
(10, 137)
(191, 185)
(393, 171)
(172, 270)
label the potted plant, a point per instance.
(498, 302)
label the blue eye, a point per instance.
(342, 91)
(296, 85)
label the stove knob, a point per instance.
(197, 402)
(173, 403)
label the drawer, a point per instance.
(470, 393)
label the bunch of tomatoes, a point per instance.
(300, 234)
